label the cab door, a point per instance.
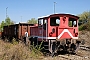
(54, 23)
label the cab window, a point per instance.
(54, 21)
(72, 22)
(40, 22)
(44, 24)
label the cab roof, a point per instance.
(53, 15)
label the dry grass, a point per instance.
(16, 51)
(86, 36)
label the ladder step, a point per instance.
(46, 49)
(46, 45)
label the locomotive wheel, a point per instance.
(52, 54)
(73, 48)
(31, 40)
(53, 49)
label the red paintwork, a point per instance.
(36, 31)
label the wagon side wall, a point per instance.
(0, 34)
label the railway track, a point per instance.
(71, 56)
(78, 55)
(83, 47)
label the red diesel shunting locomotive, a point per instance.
(58, 31)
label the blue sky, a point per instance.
(36, 8)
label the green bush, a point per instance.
(85, 26)
(82, 27)
(88, 26)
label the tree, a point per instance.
(84, 21)
(5, 23)
(8, 21)
(1, 26)
(32, 21)
(84, 17)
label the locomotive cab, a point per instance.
(63, 26)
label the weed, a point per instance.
(36, 50)
(14, 41)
